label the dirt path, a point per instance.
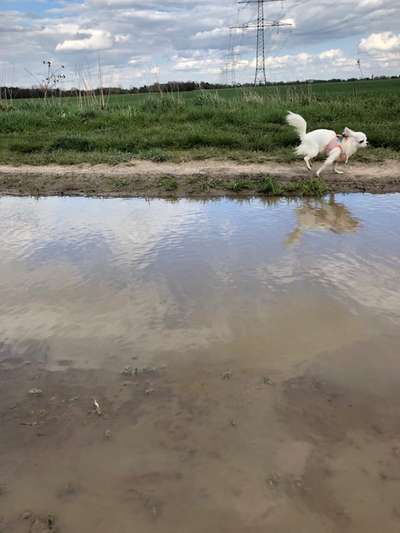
(196, 178)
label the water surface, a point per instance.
(276, 326)
(88, 279)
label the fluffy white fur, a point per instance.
(315, 143)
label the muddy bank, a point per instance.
(193, 178)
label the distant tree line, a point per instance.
(171, 86)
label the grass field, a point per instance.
(240, 124)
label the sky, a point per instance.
(138, 42)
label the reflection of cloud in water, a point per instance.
(68, 296)
(371, 280)
(133, 320)
(368, 281)
(52, 228)
(322, 215)
(98, 279)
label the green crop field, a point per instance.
(242, 124)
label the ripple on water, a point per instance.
(91, 278)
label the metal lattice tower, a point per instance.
(232, 59)
(260, 76)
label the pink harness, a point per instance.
(336, 143)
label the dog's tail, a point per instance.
(298, 123)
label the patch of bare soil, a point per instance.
(191, 178)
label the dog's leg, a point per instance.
(331, 160)
(337, 170)
(308, 161)
(309, 150)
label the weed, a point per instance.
(270, 187)
(80, 144)
(199, 184)
(155, 154)
(311, 187)
(314, 187)
(119, 183)
(238, 185)
(168, 184)
(87, 115)
(26, 147)
(6, 106)
(207, 98)
(294, 188)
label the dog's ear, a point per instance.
(347, 132)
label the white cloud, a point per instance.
(386, 41)
(147, 14)
(215, 32)
(316, 65)
(289, 21)
(137, 60)
(191, 39)
(96, 40)
(199, 63)
(331, 54)
(371, 3)
(61, 28)
(122, 38)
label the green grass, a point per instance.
(270, 186)
(241, 124)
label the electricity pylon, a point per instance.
(260, 76)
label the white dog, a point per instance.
(338, 149)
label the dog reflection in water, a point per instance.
(322, 215)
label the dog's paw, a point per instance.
(338, 171)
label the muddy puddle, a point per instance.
(194, 367)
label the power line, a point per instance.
(232, 59)
(360, 67)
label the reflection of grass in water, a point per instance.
(241, 124)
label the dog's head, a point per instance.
(357, 137)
